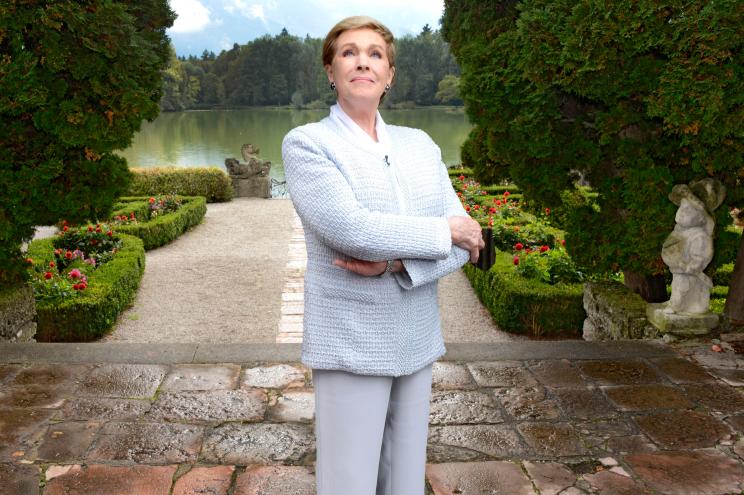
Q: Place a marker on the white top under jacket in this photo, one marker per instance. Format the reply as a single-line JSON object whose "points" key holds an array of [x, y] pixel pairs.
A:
{"points": [[342, 191]]}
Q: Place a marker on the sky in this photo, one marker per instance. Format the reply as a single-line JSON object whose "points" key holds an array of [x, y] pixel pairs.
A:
{"points": [[217, 24]]}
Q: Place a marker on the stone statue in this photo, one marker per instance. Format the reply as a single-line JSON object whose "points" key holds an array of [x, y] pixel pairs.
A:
{"points": [[687, 251], [250, 179]]}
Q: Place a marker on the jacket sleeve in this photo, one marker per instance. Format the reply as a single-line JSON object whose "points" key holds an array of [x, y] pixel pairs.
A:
{"points": [[419, 271], [327, 205]]}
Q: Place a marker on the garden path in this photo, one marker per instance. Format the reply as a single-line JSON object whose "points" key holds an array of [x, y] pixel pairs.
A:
{"points": [[225, 279]]}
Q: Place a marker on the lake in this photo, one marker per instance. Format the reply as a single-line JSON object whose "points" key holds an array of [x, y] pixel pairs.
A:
{"points": [[206, 138]]}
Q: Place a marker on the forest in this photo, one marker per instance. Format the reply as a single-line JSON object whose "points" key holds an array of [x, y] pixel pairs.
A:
{"points": [[286, 70]]}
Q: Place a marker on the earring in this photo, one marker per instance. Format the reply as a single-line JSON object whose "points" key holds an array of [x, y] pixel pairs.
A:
{"points": [[387, 88], [333, 86]]}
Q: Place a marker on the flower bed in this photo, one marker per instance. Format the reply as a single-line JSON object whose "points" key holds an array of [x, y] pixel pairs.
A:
{"points": [[158, 223], [78, 300], [528, 306]]}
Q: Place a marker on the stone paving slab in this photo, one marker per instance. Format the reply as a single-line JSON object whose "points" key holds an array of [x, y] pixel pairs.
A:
{"points": [[589, 420]]}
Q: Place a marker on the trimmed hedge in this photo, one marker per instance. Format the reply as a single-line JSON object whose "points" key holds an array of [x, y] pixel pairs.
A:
{"points": [[163, 228], [111, 288], [211, 182], [525, 306]]}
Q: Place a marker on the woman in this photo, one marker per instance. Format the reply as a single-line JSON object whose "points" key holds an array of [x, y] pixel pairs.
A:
{"points": [[382, 225]]}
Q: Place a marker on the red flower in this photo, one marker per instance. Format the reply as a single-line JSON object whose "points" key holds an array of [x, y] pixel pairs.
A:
{"points": [[30, 261], [93, 242], [58, 251], [547, 211], [527, 250], [516, 260], [98, 229], [152, 200], [68, 255], [467, 208], [109, 233], [507, 193], [492, 210], [498, 202], [477, 207], [544, 248], [83, 285], [462, 177], [132, 216], [75, 273], [64, 222], [459, 194], [90, 228], [76, 286], [519, 246], [51, 264], [65, 228], [563, 242], [48, 275]]}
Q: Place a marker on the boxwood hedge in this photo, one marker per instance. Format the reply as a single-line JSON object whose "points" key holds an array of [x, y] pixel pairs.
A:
{"points": [[211, 182], [93, 312], [164, 228], [526, 306]]}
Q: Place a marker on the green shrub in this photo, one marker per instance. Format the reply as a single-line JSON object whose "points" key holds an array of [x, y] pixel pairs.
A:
{"points": [[526, 306], [163, 229], [458, 171], [92, 312], [211, 182], [77, 80]]}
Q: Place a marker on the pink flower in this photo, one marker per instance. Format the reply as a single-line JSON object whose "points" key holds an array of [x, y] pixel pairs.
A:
{"points": [[75, 273]]}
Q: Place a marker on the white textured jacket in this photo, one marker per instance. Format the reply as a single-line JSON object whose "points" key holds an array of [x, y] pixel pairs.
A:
{"points": [[344, 196]]}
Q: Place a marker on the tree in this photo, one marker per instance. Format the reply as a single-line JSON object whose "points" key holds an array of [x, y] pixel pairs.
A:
{"points": [[634, 96], [77, 80], [448, 91]]}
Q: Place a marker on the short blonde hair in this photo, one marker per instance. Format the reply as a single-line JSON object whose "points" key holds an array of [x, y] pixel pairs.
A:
{"points": [[357, 22]]}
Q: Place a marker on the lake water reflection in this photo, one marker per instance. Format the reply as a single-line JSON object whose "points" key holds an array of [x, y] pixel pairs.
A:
{"points": [[206, 138]]}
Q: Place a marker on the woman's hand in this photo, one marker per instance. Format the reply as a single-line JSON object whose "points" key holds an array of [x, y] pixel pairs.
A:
{"points": [[468, 234], [362, 267], [368, 268]]}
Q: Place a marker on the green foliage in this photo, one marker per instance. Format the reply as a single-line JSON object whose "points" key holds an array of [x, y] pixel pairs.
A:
{"points": [[527, 306], [111, 288], [287, 70], [77, 79], [552, 266], [161, 229], [448, 90], [211, 182], [627, 97]]}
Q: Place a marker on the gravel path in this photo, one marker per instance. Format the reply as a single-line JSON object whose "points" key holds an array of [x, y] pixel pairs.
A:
{"points": [[220, 282]]}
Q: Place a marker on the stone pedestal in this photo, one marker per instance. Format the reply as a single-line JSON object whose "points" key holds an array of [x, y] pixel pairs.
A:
{"points": [[614, 312], [250, 179], [17, 313], [681, 324]]}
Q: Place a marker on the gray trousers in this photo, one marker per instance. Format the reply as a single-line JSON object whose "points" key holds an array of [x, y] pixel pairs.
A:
{"points": [[371, 432]]}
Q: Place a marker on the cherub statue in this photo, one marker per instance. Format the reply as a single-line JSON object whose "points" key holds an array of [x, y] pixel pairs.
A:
{"points": [[689, 248]]}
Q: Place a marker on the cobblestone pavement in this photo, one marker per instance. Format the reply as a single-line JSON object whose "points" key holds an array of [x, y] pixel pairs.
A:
{"points": [[507, 418]]}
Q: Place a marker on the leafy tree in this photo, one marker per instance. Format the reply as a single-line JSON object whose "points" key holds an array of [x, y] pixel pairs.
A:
{"points": [[633, 96], [77, 79], [448, 91]]}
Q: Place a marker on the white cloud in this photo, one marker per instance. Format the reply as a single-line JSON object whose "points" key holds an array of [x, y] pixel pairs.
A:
{"points": [[251, 11], [193, 16]]}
